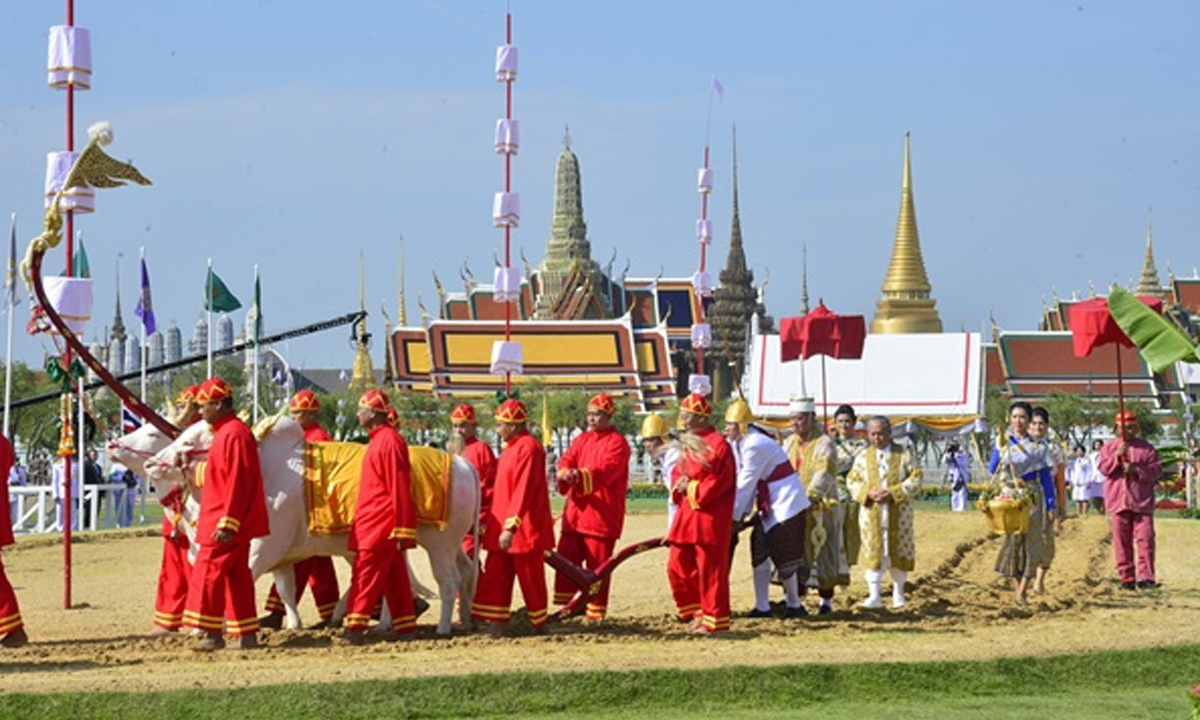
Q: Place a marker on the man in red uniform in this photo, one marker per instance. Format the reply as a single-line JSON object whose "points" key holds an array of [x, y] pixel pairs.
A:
{"points": [[385, 526], [12, 628], [705, 488], [316, 572], [1131, 469], [593, 474], [479, 454], [233, 511], [175, 569], [519, 529]]}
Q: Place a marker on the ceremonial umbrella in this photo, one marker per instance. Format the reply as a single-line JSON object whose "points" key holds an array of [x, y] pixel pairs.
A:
{"points": [[825, 333], [1093, 325]]}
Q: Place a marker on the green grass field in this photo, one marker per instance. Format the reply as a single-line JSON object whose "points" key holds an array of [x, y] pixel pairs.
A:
{"points": [[1137, 684]]}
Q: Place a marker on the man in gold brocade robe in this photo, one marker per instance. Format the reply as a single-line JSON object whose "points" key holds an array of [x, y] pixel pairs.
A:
{"points": [[884, 481]]}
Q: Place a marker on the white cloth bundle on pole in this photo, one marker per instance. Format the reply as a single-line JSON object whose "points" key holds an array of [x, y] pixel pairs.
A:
{"points": [[508, 136], [705, 181], [506, 210], [78, 199], [702, 335], [700, 384], [69, 61], [702, 283], [704, 231], [71, 298], [506, 63], [507, 285], [507, 357]]}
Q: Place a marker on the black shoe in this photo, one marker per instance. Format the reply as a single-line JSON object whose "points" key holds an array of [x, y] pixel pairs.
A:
{"points": [[272, 621], [824, 610], [1147, 585], [796, 612], [420, 605], [756, 613], [1128, 586]]}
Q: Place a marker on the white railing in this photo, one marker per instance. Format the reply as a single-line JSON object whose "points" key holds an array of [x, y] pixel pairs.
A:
{"points": [[33, 508]]}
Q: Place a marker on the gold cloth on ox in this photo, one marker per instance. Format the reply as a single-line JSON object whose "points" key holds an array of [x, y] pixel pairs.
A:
{"points": [[331, 476]]}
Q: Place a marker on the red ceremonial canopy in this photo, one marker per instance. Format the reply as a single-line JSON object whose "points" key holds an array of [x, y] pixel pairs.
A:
{"points": [[822, 332], [1092, 325]]}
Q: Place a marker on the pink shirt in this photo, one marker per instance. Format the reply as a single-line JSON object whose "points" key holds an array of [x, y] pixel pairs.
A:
{"points": [[1136, 492]]}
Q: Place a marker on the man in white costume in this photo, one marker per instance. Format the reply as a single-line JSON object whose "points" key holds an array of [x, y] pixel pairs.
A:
{"points": [[768, 488], [957, 476], [884, 481], [656, 439]]}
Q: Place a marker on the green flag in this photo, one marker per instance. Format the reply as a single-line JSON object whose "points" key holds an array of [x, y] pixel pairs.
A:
{"points": [[79, 262], [218, 298], [1160, 343]]}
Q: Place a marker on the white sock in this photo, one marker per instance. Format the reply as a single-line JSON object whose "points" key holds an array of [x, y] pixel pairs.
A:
{"points": [[791, 591], [762, 586]]}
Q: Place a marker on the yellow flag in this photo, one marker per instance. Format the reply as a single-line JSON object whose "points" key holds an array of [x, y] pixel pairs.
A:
{"points": [[547, 434]]}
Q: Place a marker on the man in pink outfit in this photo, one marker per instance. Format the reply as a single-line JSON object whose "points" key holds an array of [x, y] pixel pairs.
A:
{"points": [[1131, 467]]}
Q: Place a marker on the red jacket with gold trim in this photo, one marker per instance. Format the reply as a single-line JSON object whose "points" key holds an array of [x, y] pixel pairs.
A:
{"points": [[480, 454], [385, 511], [522, 499], [233, 497], [596, 503], [705, 515]]}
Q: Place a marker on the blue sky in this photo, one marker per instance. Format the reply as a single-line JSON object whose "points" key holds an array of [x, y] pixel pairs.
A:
{"points": [[295, 134]]}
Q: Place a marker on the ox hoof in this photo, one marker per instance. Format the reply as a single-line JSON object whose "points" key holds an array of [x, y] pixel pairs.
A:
{"points": [[209, 643], [14, 639], [271, 621], [245, 642], [354, 637]]}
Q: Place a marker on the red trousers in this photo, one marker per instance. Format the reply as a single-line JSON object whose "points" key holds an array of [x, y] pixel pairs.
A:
{"points": [[221, 588], [699, 577], [590, 553], [1130, 529], [493, 597], [317, 573], [172, 583], [10, 613], [380, 573]]}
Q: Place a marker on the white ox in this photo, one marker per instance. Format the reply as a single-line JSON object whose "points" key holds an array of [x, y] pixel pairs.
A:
{"points": [[281, 454]]}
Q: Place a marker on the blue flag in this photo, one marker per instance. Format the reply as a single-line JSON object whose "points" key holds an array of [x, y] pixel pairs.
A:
{"points": [[145, 307]]}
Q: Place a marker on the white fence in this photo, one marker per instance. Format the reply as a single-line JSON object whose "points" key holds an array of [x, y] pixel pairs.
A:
{"points": [[34, 509]]}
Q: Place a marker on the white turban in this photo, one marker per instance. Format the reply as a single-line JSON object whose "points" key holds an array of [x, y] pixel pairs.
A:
{"points": [[799, 405]]}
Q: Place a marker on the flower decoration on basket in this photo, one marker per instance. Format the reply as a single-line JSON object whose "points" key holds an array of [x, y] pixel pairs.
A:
{"points": [[1006, 508], [1195, 698]]}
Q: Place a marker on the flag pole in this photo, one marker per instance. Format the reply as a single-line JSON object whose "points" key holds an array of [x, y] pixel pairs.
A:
{"points": [[10, 300], [143, 350], [254, 332], [208, 302]]}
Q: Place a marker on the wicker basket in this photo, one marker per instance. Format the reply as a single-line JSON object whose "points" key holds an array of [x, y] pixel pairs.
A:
{"points": [[1007, 517]]}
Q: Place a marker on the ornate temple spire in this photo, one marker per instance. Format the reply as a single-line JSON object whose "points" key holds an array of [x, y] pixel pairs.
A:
{"points": [[804, 280], [568, 253], [906, 306], [735, 301], [1149, 284], [362, 376], [118, 324], [401, 304]]}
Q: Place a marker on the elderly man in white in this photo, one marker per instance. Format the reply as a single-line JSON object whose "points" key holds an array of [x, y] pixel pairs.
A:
{"points": [[767, 485], [884, 480]]}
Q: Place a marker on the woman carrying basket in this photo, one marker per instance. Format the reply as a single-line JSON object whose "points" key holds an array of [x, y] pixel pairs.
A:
{"points": [[1018, 459]]}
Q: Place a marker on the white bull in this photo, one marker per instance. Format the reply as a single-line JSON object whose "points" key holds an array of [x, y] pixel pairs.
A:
{"points": [[281, 456]]}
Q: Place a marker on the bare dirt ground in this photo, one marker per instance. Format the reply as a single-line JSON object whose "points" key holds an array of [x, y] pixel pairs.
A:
{"points": [[958, 609]]}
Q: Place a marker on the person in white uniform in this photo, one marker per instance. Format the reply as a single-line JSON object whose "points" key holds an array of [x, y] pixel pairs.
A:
{"points": [[957, 476], [771, 500]]}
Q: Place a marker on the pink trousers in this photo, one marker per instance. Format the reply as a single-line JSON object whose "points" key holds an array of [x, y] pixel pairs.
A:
{"points": [[1130, 529]]}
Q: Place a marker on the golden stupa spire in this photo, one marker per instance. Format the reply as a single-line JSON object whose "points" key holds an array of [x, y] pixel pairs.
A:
{"points": [[402, 306], [362, 376], [906, 306], [1149, 284]]}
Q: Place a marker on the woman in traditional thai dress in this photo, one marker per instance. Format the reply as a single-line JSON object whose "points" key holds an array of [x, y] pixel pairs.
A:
{"points": [[1018, 457], [1055, 492]]}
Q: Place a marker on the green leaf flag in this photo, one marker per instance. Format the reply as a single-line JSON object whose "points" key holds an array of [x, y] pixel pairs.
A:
{"points": [[1160, 343], [218, 298], [79, 262]]}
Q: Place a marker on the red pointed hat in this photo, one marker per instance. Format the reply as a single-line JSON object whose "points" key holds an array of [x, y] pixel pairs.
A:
{"points": [[375, 400], [188, 394], [305, 400], [212, 390], [1126, 417], [512, 411], [603, 403], [463, 414], [696, 404], [393, 418]]}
